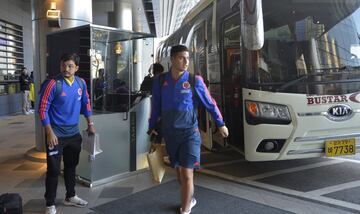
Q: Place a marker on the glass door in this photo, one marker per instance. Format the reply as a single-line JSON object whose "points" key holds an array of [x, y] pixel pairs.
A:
{"points": [[232, 79], [199, 50]]}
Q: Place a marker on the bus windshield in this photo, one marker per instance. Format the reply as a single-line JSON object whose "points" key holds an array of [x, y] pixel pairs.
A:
{"points": [[311, 47]]}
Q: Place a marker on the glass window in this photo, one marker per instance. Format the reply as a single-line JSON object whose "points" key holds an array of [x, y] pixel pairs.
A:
{"points": [[11, 57], [2, 89], [320, 54], [232, 49], [209, 34], [111, 71], [200, 52]]}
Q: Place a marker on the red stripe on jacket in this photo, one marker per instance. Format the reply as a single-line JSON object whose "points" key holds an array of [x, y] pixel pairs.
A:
{"points": [[45, 99]]}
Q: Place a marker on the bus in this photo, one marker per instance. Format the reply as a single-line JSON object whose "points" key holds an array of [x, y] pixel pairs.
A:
{"points": [[285, 74]]}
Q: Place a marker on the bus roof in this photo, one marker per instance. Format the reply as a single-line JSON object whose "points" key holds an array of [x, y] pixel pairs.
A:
{"points": [[196, 10]]}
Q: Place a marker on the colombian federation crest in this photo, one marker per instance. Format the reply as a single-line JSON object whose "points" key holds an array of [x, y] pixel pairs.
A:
{"points": [[186, 85]]}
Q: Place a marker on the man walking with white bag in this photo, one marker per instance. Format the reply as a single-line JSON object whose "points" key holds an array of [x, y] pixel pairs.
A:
{"points": [[175, 98]]}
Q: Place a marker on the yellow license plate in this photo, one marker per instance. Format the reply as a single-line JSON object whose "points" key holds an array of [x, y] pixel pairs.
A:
{"points": [[340, 147]]}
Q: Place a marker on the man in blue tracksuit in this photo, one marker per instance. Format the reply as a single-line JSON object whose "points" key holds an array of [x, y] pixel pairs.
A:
{"points": [[172, 99], [61, 102]]}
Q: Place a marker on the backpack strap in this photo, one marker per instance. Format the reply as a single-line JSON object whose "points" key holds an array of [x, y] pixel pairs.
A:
{"points": [[191, 80], [58, 80], [80, 82], [58, 85]]}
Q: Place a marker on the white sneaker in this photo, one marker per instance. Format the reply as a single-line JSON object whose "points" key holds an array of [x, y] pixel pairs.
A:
{"points": [[192, 204], [75, 201], [50, 210]]}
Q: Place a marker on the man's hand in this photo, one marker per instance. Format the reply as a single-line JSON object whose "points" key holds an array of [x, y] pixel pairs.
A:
{"points": [[52, 140], [91, 129], [152, 132], [223, 131]]}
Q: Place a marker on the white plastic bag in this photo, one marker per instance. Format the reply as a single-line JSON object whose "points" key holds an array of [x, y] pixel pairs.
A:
{"points": [[91, 143]]}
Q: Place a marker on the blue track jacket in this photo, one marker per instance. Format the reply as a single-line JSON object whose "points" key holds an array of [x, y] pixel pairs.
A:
{"points": [[62, 112], [175, 104]]}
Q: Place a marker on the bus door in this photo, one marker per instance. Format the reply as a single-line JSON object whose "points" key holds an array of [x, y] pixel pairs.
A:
{"points": [[199, 54], [231, 52]]}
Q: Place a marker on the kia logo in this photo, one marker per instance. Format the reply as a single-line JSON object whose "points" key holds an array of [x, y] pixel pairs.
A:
{"points": [[339, 112]]}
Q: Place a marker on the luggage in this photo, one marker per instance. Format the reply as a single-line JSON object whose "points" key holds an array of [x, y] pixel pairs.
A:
{"points": [[10, 203]]}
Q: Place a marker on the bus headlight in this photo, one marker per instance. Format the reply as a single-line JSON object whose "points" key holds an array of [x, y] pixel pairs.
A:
{"points": [[260, 112]]}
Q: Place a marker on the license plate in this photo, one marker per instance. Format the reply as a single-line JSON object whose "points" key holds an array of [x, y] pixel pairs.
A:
{"points": [[340, 147]]}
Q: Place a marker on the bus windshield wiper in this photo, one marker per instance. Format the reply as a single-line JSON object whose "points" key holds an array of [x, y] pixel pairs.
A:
{"points": [[340, 71], [291, 83]]}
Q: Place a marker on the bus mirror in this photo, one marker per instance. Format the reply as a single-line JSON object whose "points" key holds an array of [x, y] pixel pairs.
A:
{"points": [[252, 24]]}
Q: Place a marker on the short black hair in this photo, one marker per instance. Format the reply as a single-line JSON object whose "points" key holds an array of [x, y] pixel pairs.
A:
{"points": [[74, 57], [157, 68], [177, 48]]}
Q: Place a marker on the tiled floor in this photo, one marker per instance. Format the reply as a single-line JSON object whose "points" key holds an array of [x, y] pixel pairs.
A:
{"points": [[17, 174]]}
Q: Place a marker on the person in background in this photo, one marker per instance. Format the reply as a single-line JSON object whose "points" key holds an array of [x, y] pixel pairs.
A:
{"points": [[176, 101], [99, 86], [146, 85], [59, 113], [32, 91], [157, 69], [25, 90], [120, 87]]}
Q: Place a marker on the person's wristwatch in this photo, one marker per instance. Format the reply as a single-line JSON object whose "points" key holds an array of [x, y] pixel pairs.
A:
{"points": [[91, 124]]}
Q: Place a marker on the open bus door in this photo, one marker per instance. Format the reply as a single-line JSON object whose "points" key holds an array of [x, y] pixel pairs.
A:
{"points": [[232, 82], [199, 50]]}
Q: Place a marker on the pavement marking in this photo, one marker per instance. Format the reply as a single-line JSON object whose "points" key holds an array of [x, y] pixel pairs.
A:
{"points": [[252, 183], [308, 195], [294, 169], [269, 198], [222, 163], [335, 188], [348, 160]]}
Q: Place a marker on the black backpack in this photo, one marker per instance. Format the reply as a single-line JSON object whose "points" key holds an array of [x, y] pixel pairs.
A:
{"points": [[58, 89], [10, 203], [146, 85]]}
